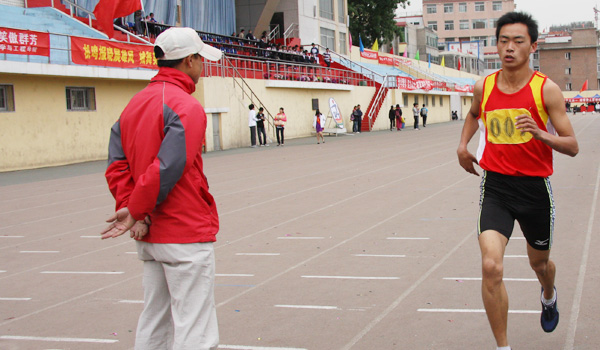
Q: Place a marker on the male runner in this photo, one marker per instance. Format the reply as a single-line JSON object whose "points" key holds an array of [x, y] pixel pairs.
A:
{"points": [[521, 117]]}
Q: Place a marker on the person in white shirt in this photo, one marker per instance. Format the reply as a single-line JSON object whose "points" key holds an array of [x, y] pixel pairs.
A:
{"points": [[252, 124]]}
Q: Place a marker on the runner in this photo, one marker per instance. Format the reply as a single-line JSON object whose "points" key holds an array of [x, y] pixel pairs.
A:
{"points": [[522, 118]]}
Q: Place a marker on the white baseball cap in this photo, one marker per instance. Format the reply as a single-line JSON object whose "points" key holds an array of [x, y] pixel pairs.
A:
{"points": [[179, 42]]}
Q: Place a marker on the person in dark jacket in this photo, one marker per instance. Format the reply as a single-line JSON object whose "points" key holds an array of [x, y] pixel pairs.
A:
{"points": [[156, 176], [392, 116]]}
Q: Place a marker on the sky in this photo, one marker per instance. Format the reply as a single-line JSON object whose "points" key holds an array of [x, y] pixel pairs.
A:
{"points": [[545, 13]]}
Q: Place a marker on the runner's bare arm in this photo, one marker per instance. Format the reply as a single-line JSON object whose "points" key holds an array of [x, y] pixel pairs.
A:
{"points": [[565, 141], [465, 158]]}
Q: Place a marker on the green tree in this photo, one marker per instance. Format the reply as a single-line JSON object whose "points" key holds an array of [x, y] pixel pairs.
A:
{"points": [[374, 19]]}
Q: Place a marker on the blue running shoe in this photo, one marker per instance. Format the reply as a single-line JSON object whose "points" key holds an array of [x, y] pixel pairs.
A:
{"points": [[549, 319]]}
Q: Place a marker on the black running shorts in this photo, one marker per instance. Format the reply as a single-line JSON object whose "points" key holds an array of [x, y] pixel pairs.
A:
{"points": [[528, 200]]}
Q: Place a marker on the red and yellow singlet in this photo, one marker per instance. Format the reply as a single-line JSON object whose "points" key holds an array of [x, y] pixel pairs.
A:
{"points": [[502, 147]]}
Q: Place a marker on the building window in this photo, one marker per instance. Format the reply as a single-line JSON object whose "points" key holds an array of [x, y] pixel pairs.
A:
{"points": [[493, 22], [427, 100], [341, 12], [405, 100], [567, 55], [479, 7], [327, 38], [441, 101], [449, 25], [7, 98], [342, 48], [81, 99], [462, 7], [448, 8], [493, 63], [432, 101], [567, 71], [479, 23], [568, 87], [432, 8], [326, 9], [416, 99], [493, 41], [481, 39], [536, 68], [497, 5], [432, 25], [464, 24], [536, 55]]}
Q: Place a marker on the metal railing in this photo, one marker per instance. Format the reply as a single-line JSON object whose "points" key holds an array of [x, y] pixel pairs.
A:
{"points": [[292, 30]]}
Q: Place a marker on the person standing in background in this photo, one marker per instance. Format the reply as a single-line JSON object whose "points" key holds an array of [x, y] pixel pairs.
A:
{"points": [[252, 124], [279, 121]]}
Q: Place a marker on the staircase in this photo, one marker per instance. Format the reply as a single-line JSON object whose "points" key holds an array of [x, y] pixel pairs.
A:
{"points": [[374, 107]]}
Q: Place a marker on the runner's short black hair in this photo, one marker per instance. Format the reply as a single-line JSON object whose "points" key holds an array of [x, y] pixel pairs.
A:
{"points": [[518, 17]]}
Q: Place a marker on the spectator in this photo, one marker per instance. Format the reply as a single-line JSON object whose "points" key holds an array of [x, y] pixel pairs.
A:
{"points": [[260, 127], [423, 112], [314, 50], [399, 119], [242, 34], [158, 177], [416, 115], [250, 36], [319, 124], [252, 124], [327, 57], [358, 119], [279, 121], [392, 116]]}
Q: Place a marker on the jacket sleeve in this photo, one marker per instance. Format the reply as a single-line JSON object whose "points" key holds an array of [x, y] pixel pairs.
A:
{"points": [[118, 173], [183, 137]]}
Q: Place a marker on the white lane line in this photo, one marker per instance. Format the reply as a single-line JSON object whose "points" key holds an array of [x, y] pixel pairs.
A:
{"points": [[478, 311], [2, 271], [60, 339], [382, 255], [131, 301], [53, 203], [39, 251], [72, 213], [515, 256], [517, 237], [130, 252], [479, 279], [353, 277], [84, 272], [258, 254], [7, 236], [409, 238], [95, 236], [291, 237], [247, 347], [233, 275], [570, 341], [314, 307], [15, 299]]}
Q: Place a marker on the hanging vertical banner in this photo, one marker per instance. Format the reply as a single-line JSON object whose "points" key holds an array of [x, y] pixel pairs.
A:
{"points": [[24, 42], [95, 52], [335, 112]]}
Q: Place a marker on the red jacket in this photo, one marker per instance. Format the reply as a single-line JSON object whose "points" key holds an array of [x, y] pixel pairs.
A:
{"points": [[155, 161]]}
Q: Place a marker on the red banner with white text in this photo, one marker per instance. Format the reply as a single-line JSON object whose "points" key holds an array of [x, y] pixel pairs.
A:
{"points": [[406, 83], [371, 55], [24, 42], [95, 52]]}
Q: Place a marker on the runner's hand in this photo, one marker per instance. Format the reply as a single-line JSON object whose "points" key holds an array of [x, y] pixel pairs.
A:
{"points": [[467, 161]]}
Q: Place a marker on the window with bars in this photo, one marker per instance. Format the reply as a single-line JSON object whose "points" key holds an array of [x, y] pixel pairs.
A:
{"points": [[432, 8], [81, 99], [464, 24], [462, 7], [7, 98], [432, 25], [479, 6], [497, 5], [448, 8], [479, 23], [448, 25]]}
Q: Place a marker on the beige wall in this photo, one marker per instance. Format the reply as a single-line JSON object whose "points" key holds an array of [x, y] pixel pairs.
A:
{"points": [[41, 132]]}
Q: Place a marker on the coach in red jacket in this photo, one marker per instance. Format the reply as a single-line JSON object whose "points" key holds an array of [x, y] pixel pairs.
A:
{"points": [[155, 174]]}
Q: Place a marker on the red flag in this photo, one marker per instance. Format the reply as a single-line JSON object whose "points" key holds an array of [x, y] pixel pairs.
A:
{"points": [[459, 64], [584, 87], [392, 50], [107, 10]]}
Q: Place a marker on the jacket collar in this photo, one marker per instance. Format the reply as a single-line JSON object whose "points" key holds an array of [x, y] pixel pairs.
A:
{"points": [[175, 76]]}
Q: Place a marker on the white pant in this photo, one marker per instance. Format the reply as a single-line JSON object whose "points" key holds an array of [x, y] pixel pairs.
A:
{"points": [[179, 304]]}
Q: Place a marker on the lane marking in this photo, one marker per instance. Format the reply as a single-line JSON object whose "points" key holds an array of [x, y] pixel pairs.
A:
{"points": [[130, 252], [353, 277], [246, 347], [570, 340], [39, 251], [258, 254], [291, 237], [96, 236], [233, 275], [58, 216], [409, 238], [131, 301], [479, 311], [12, 236], [315, 307], [479, 279], [15, 299], [382, 255], [84, 272], [59, 339]]}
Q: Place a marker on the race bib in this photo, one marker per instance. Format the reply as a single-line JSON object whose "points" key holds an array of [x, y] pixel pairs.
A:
{"points": [[500, 125]]}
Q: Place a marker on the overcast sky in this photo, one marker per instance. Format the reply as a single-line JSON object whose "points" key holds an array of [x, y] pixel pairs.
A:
{"points": [[546, 12]]}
